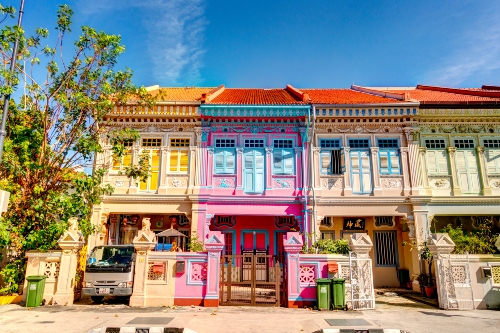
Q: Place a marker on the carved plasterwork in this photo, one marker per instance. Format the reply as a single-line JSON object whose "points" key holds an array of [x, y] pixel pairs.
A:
{"points": [[440, 183], [155, 127], [391, 183], [459, 112], [495, 183], [283, 183], [460, 128], [329, 183], [350, 128], [177, 181], [226, 182], [261, 111]]}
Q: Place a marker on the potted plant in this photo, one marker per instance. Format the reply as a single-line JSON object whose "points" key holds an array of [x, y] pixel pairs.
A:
{"points": [[426, 255]]}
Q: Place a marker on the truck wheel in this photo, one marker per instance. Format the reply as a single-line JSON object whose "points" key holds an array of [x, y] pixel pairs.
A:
{"points": [[97, 299]]}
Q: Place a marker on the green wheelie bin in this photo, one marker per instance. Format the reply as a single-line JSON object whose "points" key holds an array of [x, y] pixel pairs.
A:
{"points": [[323, 294], [338, 293], [36, 286]]}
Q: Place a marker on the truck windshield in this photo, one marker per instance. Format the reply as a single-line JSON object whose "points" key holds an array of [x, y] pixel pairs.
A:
{"points": [[110, 258]]}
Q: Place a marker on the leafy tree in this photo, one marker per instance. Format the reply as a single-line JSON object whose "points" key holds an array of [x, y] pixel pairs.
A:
{"points": [[53, 132]]}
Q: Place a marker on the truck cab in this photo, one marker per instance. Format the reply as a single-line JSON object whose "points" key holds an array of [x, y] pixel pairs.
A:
{"points": [[109, 272]]}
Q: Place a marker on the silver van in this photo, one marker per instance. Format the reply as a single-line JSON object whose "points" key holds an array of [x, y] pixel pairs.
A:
{"points": [[109, 272]]}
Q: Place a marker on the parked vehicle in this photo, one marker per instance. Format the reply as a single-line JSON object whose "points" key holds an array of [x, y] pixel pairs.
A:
{"points": [[109, 272]]}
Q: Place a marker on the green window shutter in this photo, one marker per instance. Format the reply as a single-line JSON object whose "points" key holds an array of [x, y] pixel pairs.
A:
{"points": [[442, 159], [493, 161], [437, 162], [467, 171], [432, 165]]}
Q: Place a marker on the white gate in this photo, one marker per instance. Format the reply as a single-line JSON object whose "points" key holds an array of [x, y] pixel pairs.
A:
{"points": [[455, 287], [361, 278]]}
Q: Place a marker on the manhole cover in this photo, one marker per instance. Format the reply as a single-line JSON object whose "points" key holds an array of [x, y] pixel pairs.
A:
{"points": [[150, 321], [348, 322]]}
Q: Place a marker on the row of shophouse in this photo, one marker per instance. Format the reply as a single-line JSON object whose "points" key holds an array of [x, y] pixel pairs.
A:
{"points": [[254, 164]]}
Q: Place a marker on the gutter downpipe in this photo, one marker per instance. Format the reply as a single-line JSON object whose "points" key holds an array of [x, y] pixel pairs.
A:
{"points": [[304, 182], [310, 169]]}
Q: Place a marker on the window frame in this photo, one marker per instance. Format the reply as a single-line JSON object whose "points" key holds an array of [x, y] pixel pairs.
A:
{"points": [[496, 162], [288, 151], [389, 152], [179, 151], [445, 150], [225, 151], [155, 148], [395, 249], [327, 152]]}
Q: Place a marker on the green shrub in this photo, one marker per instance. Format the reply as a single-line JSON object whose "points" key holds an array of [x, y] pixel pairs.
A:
{"points": [[479, 242]]}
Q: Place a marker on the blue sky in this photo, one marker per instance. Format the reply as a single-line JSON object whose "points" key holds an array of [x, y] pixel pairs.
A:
{"points": [[312, 43]]}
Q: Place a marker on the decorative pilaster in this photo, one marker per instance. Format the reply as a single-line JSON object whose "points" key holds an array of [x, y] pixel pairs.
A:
{"points": [[162, 188], [292, 245], [424, 180], [144, 242], [70, 242], [456, 190], [377, 190], [239, 165], [210, 166], [208, 221], [199, 156], [404, 168], [485, 185], [347, 173], [192, 166], [316, 167], [214, 246], [269, 167], [299, 171]]}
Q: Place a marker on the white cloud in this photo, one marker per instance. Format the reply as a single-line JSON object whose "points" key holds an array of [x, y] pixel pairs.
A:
{"points": [[175, 30], [475, 54]]}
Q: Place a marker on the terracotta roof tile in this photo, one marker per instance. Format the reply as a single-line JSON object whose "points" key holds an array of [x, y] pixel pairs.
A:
{"points": [[430, 96], [255, 96], [345, 96], [186, 94]]}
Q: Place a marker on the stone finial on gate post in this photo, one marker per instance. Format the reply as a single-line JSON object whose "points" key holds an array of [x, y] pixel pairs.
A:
{"points": [[70, 242], [361, 244], [214, 245], [144, 242], [292, 245]]}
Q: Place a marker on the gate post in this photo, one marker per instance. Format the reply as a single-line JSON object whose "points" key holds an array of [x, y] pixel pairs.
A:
{"points": [[214, 245], [440, 244], [293, 245], [143, 243], [70, 242], [362, 290]]}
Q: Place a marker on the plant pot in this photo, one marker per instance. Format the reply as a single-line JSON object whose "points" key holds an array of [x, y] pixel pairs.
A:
{"points": [[10, 299], [409, 285], [430, 292]]}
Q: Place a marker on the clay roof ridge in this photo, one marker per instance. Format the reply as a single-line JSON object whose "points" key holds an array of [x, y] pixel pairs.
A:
{"points": [[302, 96], [207, 97], [401, 97], [462, 91]]}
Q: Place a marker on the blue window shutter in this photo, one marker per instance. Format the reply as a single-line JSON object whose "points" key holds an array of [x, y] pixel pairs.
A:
{"points": [[394, 160], [259, 172], [278, 161], [288, 162], [230, 161], [383, 162], [219, 162], [249, 172], [342, 160]]}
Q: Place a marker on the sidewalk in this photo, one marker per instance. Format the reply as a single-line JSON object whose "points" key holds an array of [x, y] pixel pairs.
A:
{"points": [[390, 313]]}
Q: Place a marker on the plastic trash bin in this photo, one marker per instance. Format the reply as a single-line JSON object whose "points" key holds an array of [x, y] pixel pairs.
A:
{"points": [[36, 286], [403, 277], [338, 291], [323, 294]]}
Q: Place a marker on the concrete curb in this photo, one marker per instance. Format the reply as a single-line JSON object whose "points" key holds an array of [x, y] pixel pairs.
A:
{"points": [[360, 330], [142, 329]]}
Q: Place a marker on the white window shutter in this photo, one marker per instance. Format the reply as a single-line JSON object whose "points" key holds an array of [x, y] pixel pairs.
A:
{"points": [[259, 172], [326, 160], [278, 161], [230, 161], [288, 162], [493, 161]]}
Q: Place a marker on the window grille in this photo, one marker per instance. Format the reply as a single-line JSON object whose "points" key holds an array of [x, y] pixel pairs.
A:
{"points": [[283, 143], [151, 142], [228, 246], [386, 249], [225, 143], [254, 143], [359, 143], [464, 143], [435, 143], [329, 143], [179, 142], [388, 143], [491, 143], [128, 143], [327, 221], [328, 235], [384, 221]]}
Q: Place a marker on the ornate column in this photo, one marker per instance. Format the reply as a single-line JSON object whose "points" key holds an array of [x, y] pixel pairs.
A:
{"points": [[440, 245], [485, 185], [192, 166], [361, 269], [70, 243], [214, 245], [198, 162], [133, 186], [292, 245], [456, 190], [144, 242], [210, 166], [415, 160], [239, 171], [377, 190], [269, 168], [316, 167], [347, 173], [318, 224], [162, 188], [404, 166], [300, 168]]}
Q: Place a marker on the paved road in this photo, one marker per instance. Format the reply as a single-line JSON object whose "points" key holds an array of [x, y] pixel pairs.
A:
{"points": [[391, 312]]}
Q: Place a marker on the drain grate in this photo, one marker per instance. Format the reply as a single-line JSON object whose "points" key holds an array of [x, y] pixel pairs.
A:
{"points": [[112, 330], [142, 330], [150, 321], [348, 322]]}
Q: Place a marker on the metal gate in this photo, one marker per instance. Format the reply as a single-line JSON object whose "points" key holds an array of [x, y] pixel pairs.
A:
{"points": [[361, 278], [455, 285], [252, 279]]}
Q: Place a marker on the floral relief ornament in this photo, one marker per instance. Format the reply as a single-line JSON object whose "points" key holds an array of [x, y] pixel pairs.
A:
{"points": [[332, 182], [392, 183], [495, 183]]}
